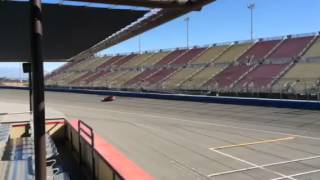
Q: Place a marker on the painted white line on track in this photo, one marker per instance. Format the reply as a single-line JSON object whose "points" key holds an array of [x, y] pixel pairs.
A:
{"points": [[197, 122], [264, 165], [254, 165], [298, 174]]}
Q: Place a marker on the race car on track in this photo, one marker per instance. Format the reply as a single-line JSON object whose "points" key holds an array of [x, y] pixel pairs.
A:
{"points": [[108, 99]]}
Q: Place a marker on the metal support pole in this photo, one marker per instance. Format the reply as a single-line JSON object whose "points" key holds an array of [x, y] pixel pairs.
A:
{"points": [[139, 43], [251, 24], [251, 7], [30, 91], [187, 23], [38, 89]]}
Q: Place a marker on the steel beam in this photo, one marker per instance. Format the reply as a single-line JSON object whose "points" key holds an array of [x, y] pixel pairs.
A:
{"points": [[38, 89], [146, 3], [152, 21]]}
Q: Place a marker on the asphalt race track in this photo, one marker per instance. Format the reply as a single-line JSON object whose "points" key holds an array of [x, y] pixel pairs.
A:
{"points": [[175, 140]]}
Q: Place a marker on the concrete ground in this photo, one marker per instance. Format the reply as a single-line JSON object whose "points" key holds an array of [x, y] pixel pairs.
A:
{"points": [[175, 140]]}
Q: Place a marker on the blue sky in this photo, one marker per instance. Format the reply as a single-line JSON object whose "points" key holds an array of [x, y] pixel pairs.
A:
{"points": [[222, 21]]}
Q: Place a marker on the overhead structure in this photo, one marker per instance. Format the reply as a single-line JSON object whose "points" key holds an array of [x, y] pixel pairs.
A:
{"points": [[68, 30], [36, 33], [149, 3], [151, 20]]}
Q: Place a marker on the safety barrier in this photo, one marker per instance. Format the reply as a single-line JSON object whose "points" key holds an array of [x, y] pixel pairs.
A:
{"points": [[95, 153], [280, 103]]}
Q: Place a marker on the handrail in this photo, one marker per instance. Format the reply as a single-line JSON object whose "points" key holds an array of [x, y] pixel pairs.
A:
{"points": [[91, 137]]}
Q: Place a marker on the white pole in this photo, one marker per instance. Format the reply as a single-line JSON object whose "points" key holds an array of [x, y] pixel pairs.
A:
{"points": [[251, 7], [139, 43], [187, 25]]}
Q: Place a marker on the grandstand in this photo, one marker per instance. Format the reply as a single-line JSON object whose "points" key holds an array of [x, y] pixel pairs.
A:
{"points": [[233, 53], [302, 78], [264, 65], [313, 53]]}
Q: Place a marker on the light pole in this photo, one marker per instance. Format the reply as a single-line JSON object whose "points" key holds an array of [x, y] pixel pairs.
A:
{"points": [[139, 43], [251, 7], [187, 19]]}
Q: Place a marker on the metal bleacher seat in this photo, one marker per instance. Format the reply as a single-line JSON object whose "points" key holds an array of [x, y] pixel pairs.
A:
{"points": [[302, 76], [19, 160], [210, 55], [175, 80], [200, 78], [4, 136], [51, 157], [233, 53]]}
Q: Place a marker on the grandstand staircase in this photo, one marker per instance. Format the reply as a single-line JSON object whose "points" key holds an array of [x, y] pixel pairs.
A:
{"points": [[208, 65], [79, 79], [93, 77], [109, 62], [282, 73], [156, 68], [313, 40], [164, 78], [231, 64], [294, 61], [144, 59], [257, 65], [179, 69], [109, 81]]}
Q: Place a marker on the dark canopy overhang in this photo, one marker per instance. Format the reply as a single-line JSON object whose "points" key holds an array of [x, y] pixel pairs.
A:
{"points": [[73, 32], [68, 30]]}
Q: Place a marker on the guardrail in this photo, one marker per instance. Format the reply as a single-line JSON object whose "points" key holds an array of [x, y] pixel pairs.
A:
{"points": [[280, 103], [90, 135]]}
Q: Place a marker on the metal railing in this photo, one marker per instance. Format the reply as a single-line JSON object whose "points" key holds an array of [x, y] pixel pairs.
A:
{"points": [[90, 135]]}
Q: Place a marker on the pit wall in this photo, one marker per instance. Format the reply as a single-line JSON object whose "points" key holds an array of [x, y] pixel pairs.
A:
{"points": [[279, 103], [109, 163]]}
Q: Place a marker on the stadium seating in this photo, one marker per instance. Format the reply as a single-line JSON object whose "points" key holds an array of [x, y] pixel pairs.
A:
{"points": [[226, 78], [69, 65], [258, 52], [109, 62], [82, 64], [246, 66], [201, 77], [179, 77], [154, 59], [261, 78], [233, 53], [170, 57], [140, 77], [76, 81], [66, 78], [106, 79], [97, 62], [123, 60], [210, 54], [188, 57], [302, 77], [87, 81], [137, 60], [291, 48], [158, 76], [119, 81], [313, 53]]}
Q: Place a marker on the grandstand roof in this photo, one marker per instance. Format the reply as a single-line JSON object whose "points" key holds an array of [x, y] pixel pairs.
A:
{"points": [[68, 29], [82, 30]]}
